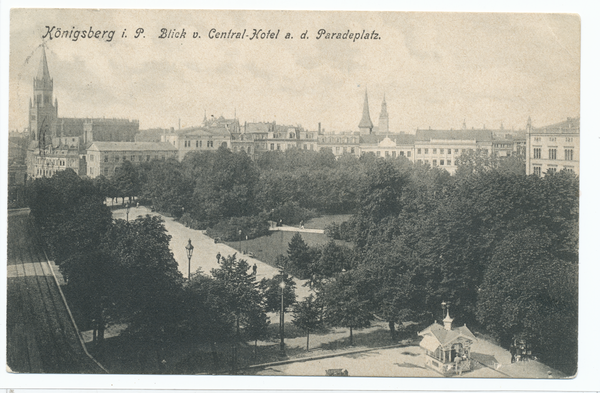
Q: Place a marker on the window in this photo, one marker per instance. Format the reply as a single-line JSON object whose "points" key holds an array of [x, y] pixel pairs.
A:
{"points": [[401, 154], [305, 146], [426, 151], [449, 151], [569, 169], [455, 151], [378, 154], [148, 158], [462, 150], [132, 158], [426, 161], [537, 170], [124, 158], [537, 139], [551, 170], [407, 154], [337, 150], [441, 162], [278, 146], [351, 150], [387, 153], [105, 158], [91, 157], [272, 146], [197, 144], [552, 139], [418, 151], [394, 154], [537, 152], [105, 171], [420, 161], [209, 144], [568, 139], [569, 154], [434, 162], [434, 151], [116, 158], [552, 154]]}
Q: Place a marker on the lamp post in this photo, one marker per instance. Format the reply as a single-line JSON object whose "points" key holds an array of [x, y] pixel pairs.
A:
{"points": [[189, 249], [282, 316], [127, 211]]}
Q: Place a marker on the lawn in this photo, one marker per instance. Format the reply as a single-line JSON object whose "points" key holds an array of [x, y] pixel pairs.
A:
{"points": [[267, 248], [323, 221]]}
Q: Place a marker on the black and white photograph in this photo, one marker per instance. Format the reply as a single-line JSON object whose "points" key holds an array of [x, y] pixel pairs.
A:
{"points": [[293, 193]]}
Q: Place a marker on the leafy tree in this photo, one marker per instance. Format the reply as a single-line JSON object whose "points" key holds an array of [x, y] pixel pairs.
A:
{"points": [[149, 285], [271, 292], [308, 316], [346, 303], [330, 260], [299, 255], [529, 292], [126, 180]]}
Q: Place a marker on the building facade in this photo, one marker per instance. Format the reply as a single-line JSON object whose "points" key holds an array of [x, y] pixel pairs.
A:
{"points": [[553, 148], [103, 158]]}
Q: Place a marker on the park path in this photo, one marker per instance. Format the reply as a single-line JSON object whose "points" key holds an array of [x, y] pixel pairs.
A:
{"points": [[41, 336], [286, 228], [205, 249]]}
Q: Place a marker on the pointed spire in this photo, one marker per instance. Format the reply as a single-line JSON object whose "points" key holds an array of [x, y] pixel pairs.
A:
{"points": [[384, 107], [43, 72], [365, 122]]}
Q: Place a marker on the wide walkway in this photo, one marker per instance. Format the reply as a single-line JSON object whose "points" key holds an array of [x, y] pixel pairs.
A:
{"points": [[205, 252], [41, 337]]}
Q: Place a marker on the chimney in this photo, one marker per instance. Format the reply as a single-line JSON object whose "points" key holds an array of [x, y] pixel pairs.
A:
{"points": [[319, 127], [447, 321]]}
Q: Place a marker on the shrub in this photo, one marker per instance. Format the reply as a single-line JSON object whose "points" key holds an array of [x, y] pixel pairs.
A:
{"points": [[250, 226], [343, 231], [187, 220], [291, 213]]}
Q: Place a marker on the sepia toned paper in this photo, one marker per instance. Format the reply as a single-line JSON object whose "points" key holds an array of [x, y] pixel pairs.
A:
{"points": [[318, 70]]}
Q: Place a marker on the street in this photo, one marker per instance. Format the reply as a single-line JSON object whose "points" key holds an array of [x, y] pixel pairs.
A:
{"points": [[205, 249], [41, 337]]}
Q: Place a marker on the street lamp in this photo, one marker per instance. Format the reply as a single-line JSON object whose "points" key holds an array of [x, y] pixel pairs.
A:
{"points": [[127, 211], [189, 249], [282, 314]]}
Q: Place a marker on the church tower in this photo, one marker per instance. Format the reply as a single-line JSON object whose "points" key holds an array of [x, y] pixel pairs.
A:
{"points": [[366, 125], [384, 120], [42, 112]]}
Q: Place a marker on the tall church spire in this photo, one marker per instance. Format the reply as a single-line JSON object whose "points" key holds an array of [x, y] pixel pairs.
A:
{"points": [[384, 121], [43, 73], [366, 125]]}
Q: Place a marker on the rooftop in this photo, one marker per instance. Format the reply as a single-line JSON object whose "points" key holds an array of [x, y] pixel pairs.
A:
{"points": [[131, 146]]}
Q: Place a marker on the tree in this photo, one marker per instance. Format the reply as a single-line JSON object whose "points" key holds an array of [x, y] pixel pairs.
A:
{"points": [[346, 303], [148, 287], [270, 289], [299, 255], [242, 297], [126, 180], [529, 292], [308, 316]]}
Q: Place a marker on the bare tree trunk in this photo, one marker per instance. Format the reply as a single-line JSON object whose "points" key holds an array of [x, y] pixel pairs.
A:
{"points": [[307, 336], [351, 339]]}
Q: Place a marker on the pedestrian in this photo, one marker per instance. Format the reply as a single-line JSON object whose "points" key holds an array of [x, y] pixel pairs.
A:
{"points": [[254, 269], [301, 224], [219, 258]]}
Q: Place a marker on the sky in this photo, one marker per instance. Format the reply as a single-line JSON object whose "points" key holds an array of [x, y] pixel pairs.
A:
{"points": [[435, 70]]}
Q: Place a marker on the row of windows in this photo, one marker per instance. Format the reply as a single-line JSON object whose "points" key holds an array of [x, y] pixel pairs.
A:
{"points": [[446, 151], [132, 158], [537, 154], [393, 154], [552, 139], [537, 170], [442, 162], [199, 144]]}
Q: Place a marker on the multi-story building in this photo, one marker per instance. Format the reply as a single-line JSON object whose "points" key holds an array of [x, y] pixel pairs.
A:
{"points": [[553, 148], [441, 148], [103, 158], [340, 143], [390, 145], [197, 139]]}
